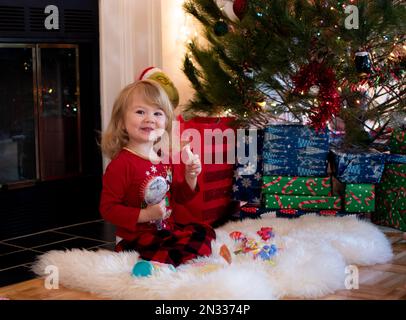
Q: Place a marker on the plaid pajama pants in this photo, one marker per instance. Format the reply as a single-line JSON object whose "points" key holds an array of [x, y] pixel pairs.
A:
{"points": [[176, 246]]}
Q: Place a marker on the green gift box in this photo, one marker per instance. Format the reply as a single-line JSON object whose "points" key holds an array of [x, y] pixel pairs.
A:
{"points": [[275, 201], [312, 186], [359, 197], [398, 142], [391, 198]]}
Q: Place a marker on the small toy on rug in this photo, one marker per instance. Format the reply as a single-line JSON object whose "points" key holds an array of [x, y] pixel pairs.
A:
{"points": [[225, 253], [144, 268], [266, 233], [262, 249]]}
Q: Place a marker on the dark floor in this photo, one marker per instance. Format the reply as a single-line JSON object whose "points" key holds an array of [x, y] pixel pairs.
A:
{"points": [[17, 254]]}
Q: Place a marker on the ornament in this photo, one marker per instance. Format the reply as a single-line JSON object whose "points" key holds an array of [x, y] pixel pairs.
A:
{"points": [[314, 90], [240, 8], [363, 62], [227, 7], [220, 28], [398, 60], [398, 53], [329, 101]]}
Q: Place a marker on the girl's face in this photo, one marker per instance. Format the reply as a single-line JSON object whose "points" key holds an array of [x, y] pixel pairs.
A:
{"points": [[144, 122]]}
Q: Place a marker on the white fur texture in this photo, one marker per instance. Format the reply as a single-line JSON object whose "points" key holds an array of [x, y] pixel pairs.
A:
{"points": [[311, 263]]}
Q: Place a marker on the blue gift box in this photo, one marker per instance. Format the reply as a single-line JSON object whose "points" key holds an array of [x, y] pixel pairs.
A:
{"points": [[295, 150], [396, 158], [358, 167], [247, 180]]}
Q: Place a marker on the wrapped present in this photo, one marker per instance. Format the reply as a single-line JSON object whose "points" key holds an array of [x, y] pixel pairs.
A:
{"points": [[243, 192], [247, 188], [247, 179], [398, 141], [212, 203], [358, 167], [275, 201], [359, 197], [313, 186], [391, 198], [295, 150], [396, 158]]}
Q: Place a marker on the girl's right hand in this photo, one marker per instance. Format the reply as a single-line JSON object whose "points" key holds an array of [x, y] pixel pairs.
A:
{"points": [[153, 212]]}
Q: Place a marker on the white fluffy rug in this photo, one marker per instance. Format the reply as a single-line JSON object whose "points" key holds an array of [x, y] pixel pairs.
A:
{"points": [[314, 252]]}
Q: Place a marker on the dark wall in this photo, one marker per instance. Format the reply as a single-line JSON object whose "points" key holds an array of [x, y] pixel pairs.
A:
{"points": [[56, 203]]}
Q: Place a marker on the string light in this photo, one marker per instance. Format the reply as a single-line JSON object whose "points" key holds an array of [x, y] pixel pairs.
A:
{"points": [[187, 32], [262, 104]]}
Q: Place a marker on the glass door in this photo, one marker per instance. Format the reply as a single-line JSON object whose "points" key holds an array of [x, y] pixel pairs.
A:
{"points": [[59, 115], [18, 158], [39, 113]]}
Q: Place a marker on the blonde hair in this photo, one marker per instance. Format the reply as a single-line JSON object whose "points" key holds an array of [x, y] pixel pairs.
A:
{"points": [[116, 137]]}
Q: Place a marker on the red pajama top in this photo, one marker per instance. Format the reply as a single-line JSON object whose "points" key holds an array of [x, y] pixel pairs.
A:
{"points": [[132, 182]]}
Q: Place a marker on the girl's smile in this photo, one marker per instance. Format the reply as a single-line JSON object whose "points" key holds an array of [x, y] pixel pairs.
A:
{"points": [[144, 122]]}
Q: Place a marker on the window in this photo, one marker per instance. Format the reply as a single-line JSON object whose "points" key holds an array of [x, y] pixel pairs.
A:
{"points": [[39, 112]]}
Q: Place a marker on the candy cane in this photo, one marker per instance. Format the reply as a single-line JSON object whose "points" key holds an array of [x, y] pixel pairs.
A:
{"points": [[279, 201], [400, 136], [372, 197], [355, 197], [301, 204], [287, 186], [400, 174], [324, 182], [337, 204], [271, 183], [396, 190], [308, 183], [347, 196]]}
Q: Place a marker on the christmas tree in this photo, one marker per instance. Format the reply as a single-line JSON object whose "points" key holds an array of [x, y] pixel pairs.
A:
{"points": [[324, 63]]}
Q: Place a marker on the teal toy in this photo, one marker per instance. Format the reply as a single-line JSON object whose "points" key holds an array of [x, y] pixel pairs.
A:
{"points": [[145, 268]]}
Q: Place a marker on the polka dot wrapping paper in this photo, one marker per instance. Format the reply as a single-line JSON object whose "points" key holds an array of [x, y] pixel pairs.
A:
{"points": [[391, 198], [312, 186], [398, 141], [360, 197], [275, 201]]}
